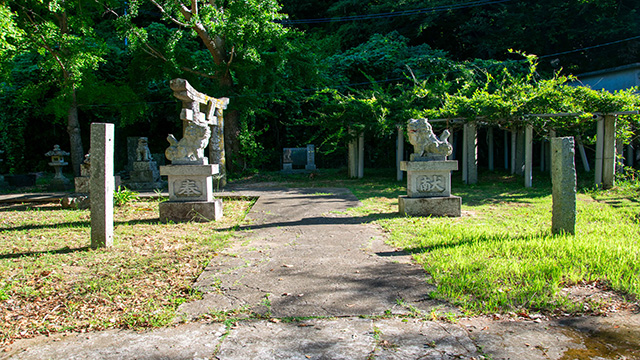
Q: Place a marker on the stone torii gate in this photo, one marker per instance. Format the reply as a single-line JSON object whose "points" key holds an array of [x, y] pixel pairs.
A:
{"points": [[204, 109]]}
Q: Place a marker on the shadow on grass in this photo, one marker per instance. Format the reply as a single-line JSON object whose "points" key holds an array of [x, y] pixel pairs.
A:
{"points": [[78, 224], [64, 250], [479, 239], [7, 207]]}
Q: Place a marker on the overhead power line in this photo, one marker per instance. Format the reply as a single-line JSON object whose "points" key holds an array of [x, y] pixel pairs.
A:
{"points": [[395, 13], [589, 47]]}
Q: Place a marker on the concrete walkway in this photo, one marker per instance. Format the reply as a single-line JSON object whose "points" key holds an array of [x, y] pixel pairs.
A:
{"points": [[328, 287]]}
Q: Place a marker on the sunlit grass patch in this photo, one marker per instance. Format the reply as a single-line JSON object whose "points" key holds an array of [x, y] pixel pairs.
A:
{"points": [[501, 256]]}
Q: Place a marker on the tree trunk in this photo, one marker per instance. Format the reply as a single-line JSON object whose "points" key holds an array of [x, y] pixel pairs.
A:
{"points": [[75, 138], [231, 126]]}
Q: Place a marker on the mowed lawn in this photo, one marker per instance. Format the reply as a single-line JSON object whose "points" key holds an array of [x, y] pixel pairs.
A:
{"points": [[499, 257]]}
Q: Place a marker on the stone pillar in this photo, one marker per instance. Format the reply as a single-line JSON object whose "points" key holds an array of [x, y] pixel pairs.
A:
{"points": [[528, 156], [216, 151], [563, 177], [609, 152], [311, 158], [583, 154], [102, 185], [543, 155], [520, 151], [465, 155], [491, 149], [506, 150], [470, 154], [514, 135], [599, 152], [361, 156], [619, 156], [353, 155], [399, 153], [552, 134]]}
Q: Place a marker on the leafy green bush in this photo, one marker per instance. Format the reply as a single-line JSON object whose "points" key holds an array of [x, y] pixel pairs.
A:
{"points": [[124, 196]]}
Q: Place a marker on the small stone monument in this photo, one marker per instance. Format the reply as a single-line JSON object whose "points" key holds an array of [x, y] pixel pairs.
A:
{"points": [[429, 174], [59, 181], [294, 159], [190, 174], [145, 174]]}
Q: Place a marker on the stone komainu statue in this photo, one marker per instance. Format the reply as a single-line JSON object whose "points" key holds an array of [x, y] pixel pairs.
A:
{"points": [[191, 146], [425, 143], [142, 151]]}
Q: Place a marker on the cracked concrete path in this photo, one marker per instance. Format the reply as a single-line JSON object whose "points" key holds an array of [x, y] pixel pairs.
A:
{"points": [[302, 256]]}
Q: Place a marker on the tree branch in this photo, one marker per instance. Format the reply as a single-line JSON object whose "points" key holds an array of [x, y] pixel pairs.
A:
{"points": [[174, 20], [156, 54], [55, 54]]}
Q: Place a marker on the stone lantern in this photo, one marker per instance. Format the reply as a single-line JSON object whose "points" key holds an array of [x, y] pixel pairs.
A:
{"points": [[59, 182]]}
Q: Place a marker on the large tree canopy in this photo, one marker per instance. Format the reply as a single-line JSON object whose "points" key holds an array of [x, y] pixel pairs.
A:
{"points": [[303, 77], [242, 46]]}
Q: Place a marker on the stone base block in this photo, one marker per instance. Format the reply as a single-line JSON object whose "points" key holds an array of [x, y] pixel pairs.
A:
{"points": [[59, 185], [434, 206], [199, 211], [145, 172]]}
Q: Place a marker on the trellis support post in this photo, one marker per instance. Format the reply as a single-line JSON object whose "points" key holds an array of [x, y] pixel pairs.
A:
{"points": [[528, 156]]}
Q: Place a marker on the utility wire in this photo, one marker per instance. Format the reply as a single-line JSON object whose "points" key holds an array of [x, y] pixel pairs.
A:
{"points": [[393, 14], [589, 47]]}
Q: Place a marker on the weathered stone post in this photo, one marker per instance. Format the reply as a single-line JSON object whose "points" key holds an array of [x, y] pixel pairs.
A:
{"points": [[102, 185], [563, 177], [491, 148], [609, 152], [514, 143], [353, 154], [470, 153], [361, 155], [528, 156], [399, 152]]}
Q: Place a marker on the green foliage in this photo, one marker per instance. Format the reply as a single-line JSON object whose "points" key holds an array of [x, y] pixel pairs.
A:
{"points": [[124, 196]]}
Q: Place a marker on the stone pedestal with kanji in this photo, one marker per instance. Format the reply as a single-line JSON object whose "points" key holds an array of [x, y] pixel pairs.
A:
{"points": [[190, 194], [429, 189]]}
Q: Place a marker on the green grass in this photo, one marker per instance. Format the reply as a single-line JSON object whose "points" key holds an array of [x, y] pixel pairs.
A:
{"points": [[501, 255], [50, 281]]}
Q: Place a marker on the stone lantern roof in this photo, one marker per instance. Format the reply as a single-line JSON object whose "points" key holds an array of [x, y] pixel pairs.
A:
{"points": [[57, 152]]}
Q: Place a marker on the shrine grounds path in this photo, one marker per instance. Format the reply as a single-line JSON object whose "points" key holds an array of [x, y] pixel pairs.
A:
{"points": [[309, 281]]}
